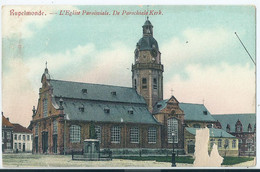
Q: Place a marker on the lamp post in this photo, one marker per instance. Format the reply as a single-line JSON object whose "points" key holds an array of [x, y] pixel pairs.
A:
{"points": [[173, 154]]}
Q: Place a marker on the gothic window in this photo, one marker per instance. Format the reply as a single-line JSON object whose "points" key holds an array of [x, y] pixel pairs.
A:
{"points": [[115, 134], [196, 125], [98, 132], [74, 133], [45, 107], [55, 127], [228, 128], [219, 143], [234, 143], [134, 135], [152, 136], [226, 144], [172, 128], [154, 83], [144, 83]]}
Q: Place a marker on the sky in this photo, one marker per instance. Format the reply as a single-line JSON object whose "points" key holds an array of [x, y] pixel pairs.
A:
{"points": [[204, 62]]}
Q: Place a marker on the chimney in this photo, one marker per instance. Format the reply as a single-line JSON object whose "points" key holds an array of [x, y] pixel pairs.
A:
{"points": [[7, 119]]}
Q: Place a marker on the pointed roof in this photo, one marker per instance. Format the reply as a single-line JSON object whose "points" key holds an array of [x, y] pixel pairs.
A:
{"points": [[159, 106], [96, 98], [231, 119], [213, 132], [196, 112], [46, 73], [6, 122], [20, 129]]}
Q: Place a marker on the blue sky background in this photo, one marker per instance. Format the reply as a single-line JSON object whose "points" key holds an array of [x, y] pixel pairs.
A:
{"points": [[212, 66]]}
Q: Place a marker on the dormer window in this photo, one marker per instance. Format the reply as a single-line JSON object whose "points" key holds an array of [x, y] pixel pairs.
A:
{"points": [[84, 91], [249, 128], [159, 105], [113, 93], [205, 112], [106, 110], [228, 128], [81, 108], [130, 111]]}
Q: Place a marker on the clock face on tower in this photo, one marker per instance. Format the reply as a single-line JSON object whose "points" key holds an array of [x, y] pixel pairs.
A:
{"points": [[153, 52]]}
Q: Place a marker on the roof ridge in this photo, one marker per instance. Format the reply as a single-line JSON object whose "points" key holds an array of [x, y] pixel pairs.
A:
{"points": [[90, 83], [234, 114], [192, 103]]}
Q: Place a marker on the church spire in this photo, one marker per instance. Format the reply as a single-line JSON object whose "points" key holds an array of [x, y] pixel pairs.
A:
{"points": [[147, 28]]}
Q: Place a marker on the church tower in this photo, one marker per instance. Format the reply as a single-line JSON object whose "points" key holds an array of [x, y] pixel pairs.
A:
{"points": [[147, 70]]}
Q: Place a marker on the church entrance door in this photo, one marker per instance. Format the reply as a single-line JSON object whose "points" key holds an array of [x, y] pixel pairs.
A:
{"points": [[54, 143], [36, 144], [44, 141], [191, 147]]}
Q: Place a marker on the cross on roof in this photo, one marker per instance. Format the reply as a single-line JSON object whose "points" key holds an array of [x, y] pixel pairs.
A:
{"points": [[46, 64], [172, 92]]}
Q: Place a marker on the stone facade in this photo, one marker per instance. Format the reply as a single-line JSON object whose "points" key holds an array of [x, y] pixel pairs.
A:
{"points": [[147, 72], [172, 110]]}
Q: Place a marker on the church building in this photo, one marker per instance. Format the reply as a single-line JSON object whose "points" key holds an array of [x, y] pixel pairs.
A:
{"points": [[126, 119]]}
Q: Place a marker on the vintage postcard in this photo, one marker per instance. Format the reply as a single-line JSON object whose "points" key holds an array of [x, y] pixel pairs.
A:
{"points": [[128, 86]]}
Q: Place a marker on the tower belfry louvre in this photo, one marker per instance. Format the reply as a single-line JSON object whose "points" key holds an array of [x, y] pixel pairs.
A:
{"points": [[147, 70]]}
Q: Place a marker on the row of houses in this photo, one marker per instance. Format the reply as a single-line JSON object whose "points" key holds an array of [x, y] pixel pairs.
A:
{"points": [[15, 138]]}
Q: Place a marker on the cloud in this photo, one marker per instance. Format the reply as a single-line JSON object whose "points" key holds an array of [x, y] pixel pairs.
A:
{"points": [[195, 44], [225, 88], [84, 63], [26, 26]]}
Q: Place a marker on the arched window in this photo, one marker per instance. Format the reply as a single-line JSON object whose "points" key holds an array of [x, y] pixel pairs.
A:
{"points": [[55, 127], [75, 133], [234, 143], [172, 128], [152, 135], [36, 129], [219, 143], [45, 107], [115, 134], [134, 135]]}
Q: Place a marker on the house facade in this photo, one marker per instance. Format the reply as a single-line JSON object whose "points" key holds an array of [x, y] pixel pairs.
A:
{"points": [[7, 133], [22, 139], [243, 127]]}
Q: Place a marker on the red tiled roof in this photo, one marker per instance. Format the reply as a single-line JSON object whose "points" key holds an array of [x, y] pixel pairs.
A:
{"points": [[5, 122], [20, 129]]}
